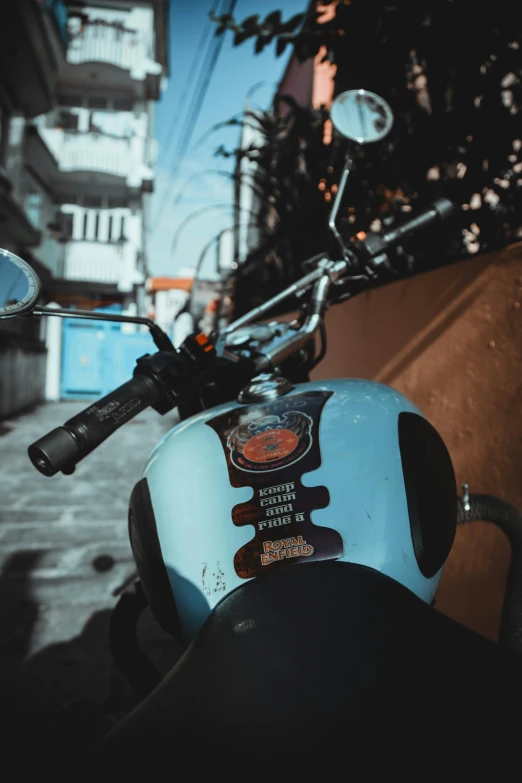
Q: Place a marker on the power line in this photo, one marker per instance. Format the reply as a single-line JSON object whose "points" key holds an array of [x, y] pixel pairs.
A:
{"points": [[203, 60], [192, 117], [197, 60]]}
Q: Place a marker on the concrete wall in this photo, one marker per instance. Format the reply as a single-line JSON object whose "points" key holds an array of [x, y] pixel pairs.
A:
{"points": [[451, 341], [22, 369]]}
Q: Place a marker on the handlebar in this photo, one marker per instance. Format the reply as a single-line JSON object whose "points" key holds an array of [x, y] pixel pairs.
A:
{"points": [[440, 210], [155, 382], [64, 446], [372, 251]]}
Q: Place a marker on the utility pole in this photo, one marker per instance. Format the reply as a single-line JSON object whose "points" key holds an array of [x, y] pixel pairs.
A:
{"points": [[237, 208]]}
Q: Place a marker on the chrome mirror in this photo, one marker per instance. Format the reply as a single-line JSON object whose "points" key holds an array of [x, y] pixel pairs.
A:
{"points": [[20, 289], [19, 286], [361, 116]]}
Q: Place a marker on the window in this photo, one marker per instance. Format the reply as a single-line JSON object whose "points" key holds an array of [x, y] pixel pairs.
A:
{"points": [[123, 104], [96, 225], [112, 123], [67, 224], [33, 208], [70, 100], [110, 229], [67, 120], [85, 225], [97, 103], [122, 228], [94, 202], [117, 201]]}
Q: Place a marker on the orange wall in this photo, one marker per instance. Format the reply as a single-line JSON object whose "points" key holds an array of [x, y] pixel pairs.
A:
{"points": [[451, 341]]}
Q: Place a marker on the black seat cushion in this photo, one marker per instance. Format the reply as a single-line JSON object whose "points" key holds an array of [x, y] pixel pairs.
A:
{"points": [[330, 655]]}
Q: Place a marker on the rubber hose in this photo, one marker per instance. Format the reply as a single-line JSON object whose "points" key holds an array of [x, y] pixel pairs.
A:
{"points": [[487, 508]]}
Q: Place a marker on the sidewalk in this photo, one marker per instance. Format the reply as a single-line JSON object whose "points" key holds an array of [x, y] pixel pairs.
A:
{"points": [[63, 550]]}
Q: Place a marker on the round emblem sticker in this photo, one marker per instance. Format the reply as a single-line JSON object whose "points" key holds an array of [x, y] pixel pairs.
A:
{"points": [[270, 445], [271, 442]]}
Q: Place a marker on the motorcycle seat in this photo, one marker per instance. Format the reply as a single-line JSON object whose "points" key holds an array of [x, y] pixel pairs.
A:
{"points": [[332, 655]]}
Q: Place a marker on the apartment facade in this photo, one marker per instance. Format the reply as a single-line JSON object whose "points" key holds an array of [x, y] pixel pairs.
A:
{"points": [[78, 85], [33, 45], [100, 138]]}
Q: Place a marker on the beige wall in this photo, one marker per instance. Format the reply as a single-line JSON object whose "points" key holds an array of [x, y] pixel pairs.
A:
{"points": [[451, 340]]}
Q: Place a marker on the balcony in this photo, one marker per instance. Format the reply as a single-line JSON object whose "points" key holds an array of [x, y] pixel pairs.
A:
{"points": [[97, 158], [120, 58], [98, 262], [102, 262]]}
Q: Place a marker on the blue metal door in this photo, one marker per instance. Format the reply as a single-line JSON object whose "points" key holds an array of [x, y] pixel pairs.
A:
{"points": [[97, 357]]}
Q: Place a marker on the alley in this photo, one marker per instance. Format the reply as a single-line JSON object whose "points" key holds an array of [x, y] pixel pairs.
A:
{"points": [[64, 549]]}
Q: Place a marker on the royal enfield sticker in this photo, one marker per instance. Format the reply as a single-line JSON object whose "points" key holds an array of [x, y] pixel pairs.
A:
{"points": [[271, 442], [269, 447], [284, 549]]}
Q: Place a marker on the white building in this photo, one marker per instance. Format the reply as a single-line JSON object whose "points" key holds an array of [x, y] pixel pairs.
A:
{"points": [[101, 148]]}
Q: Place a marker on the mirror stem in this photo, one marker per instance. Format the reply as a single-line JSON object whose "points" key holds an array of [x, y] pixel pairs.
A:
{"points": [[337, 204], [161, 340]]}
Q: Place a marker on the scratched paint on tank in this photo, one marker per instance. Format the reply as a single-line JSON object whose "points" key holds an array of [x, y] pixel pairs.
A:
{"points": [[360, 466]]}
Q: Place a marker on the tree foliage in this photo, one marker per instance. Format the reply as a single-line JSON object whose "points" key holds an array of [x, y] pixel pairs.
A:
{"points": [[293, 180], [452, 73]]}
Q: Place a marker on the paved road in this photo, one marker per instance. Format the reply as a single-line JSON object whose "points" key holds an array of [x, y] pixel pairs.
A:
{"points": [[55, 662]]}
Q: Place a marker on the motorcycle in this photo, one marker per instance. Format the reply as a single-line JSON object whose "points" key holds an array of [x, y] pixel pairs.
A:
{"points": [[267, 470]]}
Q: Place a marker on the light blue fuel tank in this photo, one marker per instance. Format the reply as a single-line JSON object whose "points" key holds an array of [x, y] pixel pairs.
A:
{"points": [[330, 470]]}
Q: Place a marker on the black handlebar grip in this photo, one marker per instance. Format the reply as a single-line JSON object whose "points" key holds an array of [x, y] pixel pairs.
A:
{"points": [[440, 210], [64, 446]]}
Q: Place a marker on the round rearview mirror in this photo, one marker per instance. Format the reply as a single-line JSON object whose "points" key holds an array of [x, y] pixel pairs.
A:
{"points": [[361, 116], [19, 286]]}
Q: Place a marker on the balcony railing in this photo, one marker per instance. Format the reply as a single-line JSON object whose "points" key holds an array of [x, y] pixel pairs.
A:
{"points": [[98, 152], [95, 152], [103, 262], [98, 41], [97, 262]]}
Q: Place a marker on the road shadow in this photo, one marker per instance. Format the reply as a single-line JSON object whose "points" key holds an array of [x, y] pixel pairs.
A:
{"points": [[18, 616], [62, 699]]}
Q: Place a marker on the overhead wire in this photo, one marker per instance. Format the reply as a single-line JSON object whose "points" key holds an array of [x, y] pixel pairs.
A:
{"points": [[206, 73], [198, 60]]}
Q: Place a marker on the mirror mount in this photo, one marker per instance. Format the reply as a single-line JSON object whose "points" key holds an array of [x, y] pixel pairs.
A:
{"points": [[20, 290], [362, 117], [337, 203], [161, 340]]}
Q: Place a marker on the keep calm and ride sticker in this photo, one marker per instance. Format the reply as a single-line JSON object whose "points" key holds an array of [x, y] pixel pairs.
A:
{"points": [[269, 447]]}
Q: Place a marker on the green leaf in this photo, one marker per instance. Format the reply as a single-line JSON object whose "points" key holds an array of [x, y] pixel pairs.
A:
{"points": [[241, 36], [260, 44], [281, 45], [273, 19], [250, 23], [291, 24], [222, 151], [223, 23]]}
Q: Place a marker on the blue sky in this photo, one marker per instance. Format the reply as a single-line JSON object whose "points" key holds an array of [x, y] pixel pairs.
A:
{"points": [[237, 71]]}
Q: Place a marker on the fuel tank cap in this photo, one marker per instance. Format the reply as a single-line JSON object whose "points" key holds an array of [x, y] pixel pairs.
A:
{"points": [[266, 386]]}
